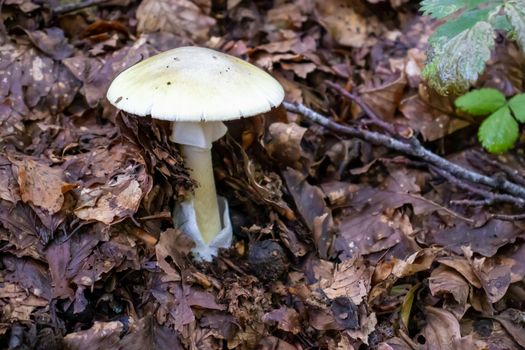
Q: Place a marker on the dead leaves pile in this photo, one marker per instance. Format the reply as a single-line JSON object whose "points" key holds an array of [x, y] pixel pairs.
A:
{"points": [[89, 257]]}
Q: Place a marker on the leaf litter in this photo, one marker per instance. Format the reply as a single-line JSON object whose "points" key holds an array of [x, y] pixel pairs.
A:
{"points": [[374, 254]]}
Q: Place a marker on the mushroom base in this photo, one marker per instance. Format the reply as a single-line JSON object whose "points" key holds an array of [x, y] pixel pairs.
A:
{"points": [[186, 220]]}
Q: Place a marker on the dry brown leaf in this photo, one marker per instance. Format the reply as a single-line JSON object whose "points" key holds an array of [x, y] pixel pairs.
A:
{"points": [[21, 303], [345, 25], [441, 331], [42, 185], [445, 280], [368, 324], [110, 203], [463, 266], [273, 343], [384, 100], [286, 318], [494, 275], [180, 17], [286, 16], [285, 143], [173, 246], [8, 185], [102, 335], [514, 323], [431, 122], [419, 261], [312, 207], [351, 279]]}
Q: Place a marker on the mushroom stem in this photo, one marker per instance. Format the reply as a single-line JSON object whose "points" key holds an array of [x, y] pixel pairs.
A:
{"points": [[198, 160]]}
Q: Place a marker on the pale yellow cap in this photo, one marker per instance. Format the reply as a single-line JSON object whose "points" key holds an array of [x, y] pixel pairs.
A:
{"points": [[195, 84]]}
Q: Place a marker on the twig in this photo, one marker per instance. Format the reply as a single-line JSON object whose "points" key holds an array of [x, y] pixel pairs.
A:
{"points": [[375, 118], [513, 174], [488, 197], [66, 8], [413, 148], [508, 217]]}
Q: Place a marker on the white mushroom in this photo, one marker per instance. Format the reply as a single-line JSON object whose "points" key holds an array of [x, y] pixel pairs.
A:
{"points": [[197, 89]]}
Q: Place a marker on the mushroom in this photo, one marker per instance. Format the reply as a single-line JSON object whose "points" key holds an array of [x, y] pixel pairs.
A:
{"points": [[197, 88]]}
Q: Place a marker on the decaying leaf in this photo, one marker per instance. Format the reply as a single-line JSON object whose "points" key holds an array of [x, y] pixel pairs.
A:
{"points": [[41, 184], [102, 335], [345, 25], [446, 280], [287, 319], [180, 17], [351, 279]]}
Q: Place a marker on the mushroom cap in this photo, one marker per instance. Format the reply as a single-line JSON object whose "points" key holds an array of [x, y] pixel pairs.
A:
{"points": [[195, 84]]}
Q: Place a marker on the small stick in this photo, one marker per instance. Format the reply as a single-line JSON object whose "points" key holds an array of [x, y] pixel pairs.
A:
{"points": [[489, 197], [375, 118], [507, 217], [413, 148]]}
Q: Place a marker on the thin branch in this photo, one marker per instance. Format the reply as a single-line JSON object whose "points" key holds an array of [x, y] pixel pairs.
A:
{"points": [[489, 198], [512, 173], [74, 6], [508, 217], [412, 147], [375, 118]]}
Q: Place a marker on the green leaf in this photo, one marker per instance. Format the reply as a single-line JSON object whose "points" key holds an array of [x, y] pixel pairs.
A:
{"points": [[500, 22], [408, 301], [480, 102], [454, 64], [499, 131], [442, 8], [515, 11], [463, 22], [517, 105]]}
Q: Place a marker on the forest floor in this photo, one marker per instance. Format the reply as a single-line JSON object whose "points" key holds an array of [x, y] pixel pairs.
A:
{"points": [[366, 247]]}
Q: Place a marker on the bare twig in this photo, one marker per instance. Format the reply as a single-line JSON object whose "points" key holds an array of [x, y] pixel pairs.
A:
{"points": [[488, 197], [508, 217], [371, 114], [411, 147], [66, 8], [512, 173]]}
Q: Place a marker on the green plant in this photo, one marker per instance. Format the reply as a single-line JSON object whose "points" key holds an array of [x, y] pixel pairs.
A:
{"points": [[461, 46], [499, 131]]}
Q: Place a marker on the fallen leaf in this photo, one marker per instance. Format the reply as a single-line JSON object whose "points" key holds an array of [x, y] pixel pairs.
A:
{"points": [[345, 25], [147, 334], [445, 280], [485, 240], [384, 99], [417, 262], [312, 207], [287, 319], [284, 144], [102, 335], [494, 275], [351, 279], [514, 322], [180, 17], [41, 184]]}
